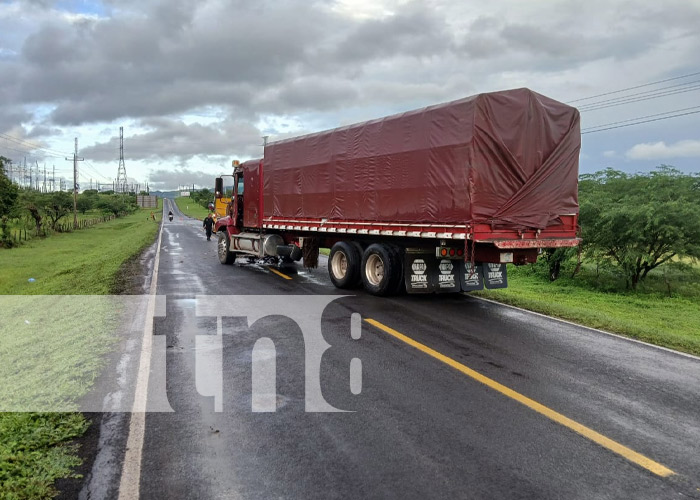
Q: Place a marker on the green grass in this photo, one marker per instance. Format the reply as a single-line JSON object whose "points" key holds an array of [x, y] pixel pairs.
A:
{"points": [[35, 450], [52, 349], [599, 299], [190, 208], [23, 229], [82, 262], [58, 340]]}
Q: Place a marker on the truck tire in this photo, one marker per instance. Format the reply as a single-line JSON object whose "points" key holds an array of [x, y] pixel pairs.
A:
{"points": [[380, 270], [226, 256], [400, 284], [344, 264]]}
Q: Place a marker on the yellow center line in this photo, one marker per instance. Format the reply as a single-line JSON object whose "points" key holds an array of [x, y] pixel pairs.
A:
{"points": [[581, 429], [279, 273]]}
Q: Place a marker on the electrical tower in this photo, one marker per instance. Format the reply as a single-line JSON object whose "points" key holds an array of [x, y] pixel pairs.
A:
{"points": [[121, 174], [75, 184]]}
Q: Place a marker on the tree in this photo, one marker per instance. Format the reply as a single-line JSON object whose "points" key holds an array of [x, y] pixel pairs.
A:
{"points": [[31, 202], [555, 257], [202, 197], [116, 204], [57, 205], [8, 191], [641, 221], [87, 200], [8, 199]]}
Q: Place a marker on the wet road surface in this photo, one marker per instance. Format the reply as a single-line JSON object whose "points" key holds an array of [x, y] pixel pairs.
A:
{"points": [[418, 425]]}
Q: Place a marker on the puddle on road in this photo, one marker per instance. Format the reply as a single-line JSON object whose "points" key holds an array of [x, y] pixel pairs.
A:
{"points": [[311, 278]]}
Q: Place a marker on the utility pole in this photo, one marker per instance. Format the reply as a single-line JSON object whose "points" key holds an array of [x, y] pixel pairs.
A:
{"points": [[53, 179], [75, 184], [44, 178]]}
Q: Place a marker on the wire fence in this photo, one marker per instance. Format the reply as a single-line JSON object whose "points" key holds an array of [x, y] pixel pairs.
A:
{"points": [[20, 235]]}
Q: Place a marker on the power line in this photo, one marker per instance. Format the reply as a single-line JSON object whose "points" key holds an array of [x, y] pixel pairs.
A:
{"points": [[31, 145], [25, 151], [646, 92], [625, 100], [643, 117], [94, 170], [636, 87], [598, 129]]}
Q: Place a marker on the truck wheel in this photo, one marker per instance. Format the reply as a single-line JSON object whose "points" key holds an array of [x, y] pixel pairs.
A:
{"points": [[344, 264], [380, 270], [226, 256], [400, 284]]}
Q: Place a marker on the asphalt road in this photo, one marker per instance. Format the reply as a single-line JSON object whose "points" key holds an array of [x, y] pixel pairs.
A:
{"points": [[419, 428]]}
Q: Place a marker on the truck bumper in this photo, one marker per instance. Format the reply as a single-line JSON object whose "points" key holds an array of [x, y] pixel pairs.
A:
{"points": [[536, 243]]}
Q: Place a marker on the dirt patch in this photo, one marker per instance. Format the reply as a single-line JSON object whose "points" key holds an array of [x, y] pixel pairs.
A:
{"points": [[134, 276], [70, 488]]}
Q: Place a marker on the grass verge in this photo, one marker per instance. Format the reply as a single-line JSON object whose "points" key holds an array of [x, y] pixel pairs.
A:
{"points": [[658, 312], [83, 262], [190, 208], [36, 448]]}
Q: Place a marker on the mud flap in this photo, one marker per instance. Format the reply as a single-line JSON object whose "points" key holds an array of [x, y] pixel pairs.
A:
{"points": [[420, 273], [495, 276], [471, 278], [448, 276]]}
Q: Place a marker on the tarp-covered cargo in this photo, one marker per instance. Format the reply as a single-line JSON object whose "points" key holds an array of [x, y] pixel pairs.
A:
{"points": [[507, 157]]}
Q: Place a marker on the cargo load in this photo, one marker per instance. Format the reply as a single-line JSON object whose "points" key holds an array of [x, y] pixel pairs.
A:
{"points": [[436, 199]]}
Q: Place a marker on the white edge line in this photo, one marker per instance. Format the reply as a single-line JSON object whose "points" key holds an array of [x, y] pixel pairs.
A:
{"points": [[617, 335], [130, 483]]}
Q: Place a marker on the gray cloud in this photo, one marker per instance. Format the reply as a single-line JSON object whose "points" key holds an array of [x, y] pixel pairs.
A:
{"points": [[168, 57], [414, 31], [177, 140], [150, 62], [169, 60]]}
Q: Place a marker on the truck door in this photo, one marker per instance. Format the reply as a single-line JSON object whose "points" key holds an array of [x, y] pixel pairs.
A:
{"points": [[238, 199]]}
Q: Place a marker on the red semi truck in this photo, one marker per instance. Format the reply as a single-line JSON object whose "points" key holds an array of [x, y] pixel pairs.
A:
{"points": [[434, 200]]}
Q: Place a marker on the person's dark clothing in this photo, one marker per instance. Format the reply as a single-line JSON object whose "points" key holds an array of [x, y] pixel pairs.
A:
{"points": [[208, 225]]}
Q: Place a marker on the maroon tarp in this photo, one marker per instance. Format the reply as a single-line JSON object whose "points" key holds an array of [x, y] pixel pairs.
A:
{"points": [[507, 157]]}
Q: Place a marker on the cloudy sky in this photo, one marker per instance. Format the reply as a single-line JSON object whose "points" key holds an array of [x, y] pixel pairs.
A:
{"points": [[196, 84]]}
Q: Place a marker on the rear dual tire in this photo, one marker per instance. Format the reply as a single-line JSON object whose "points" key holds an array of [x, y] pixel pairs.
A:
{"points": [[344, 265], [382, 270]]}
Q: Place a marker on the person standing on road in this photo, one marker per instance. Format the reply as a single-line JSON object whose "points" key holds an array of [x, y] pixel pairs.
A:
{"points": [[208, 226]]}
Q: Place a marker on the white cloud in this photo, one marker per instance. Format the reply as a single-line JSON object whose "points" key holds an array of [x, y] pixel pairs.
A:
{"points": [[661, 151], [610, 154]]}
